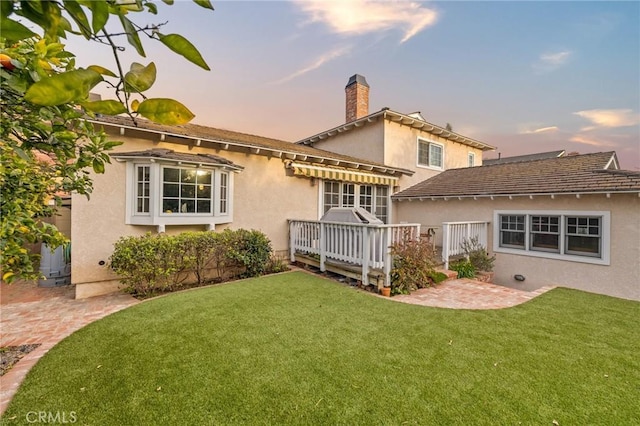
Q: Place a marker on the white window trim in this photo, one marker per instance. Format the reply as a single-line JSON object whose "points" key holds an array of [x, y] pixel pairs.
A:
{"points": [[136, 195], [356, 195], [425, 166], [156, 217], [471, 158], [605, 259]]}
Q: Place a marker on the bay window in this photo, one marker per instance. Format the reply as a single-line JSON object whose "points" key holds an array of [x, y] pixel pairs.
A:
{"points": [[169, 188]]}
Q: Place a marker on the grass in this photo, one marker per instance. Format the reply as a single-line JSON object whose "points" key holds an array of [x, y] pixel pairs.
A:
{"points": [[299, 349]]}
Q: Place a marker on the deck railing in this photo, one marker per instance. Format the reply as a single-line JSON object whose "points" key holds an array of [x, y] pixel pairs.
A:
{"points": [[455, 233], [363, 245]]}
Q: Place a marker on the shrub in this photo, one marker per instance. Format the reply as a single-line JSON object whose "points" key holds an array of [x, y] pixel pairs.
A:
{"points": [[251, 250], [158, 263], [150, 263], [413, 266], [477, 255], [206, 252], [464, 268]]}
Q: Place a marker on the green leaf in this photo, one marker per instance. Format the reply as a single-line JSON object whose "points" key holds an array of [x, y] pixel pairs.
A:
{"points": [[14, 31], [165, 111], [111, 144], [152, 8], [101, 70], [98, 166], [140, 78], [132, 34], [63, 88], [78, 15], [169, 2], [28, 10], [108, 107], [100, 10], [53, 20], [204, 3], [183, 47]]}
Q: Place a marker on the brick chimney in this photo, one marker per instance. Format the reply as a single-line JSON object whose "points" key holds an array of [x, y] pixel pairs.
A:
{"points": [[357, 91]]}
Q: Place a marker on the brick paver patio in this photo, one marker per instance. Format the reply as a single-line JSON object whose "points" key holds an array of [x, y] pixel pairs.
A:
{"points": [[469, 294], [31, 314]]}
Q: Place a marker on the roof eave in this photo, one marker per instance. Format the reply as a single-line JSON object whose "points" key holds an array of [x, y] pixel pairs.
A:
{"points": [[262, 150], [576, 194], [125, 157], [401, 119]]}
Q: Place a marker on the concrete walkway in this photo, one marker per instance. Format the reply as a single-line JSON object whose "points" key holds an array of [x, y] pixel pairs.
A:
{"points": [[31, 314]]}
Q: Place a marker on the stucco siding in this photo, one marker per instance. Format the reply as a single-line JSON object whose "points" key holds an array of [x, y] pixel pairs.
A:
{"points": [[621, 278], [366, 142], [401, 150], [264, 197]]}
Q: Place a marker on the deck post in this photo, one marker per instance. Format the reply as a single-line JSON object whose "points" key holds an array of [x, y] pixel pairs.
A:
{"points": [[388, 258], [323, 246], [366, 254], [292, 240], [445, 245]]}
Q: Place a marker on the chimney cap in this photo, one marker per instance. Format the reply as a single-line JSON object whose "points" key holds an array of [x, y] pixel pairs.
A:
{"points": [[357, 78]]}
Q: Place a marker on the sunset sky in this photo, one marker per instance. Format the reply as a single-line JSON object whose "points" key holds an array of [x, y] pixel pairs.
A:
{"points": [[523, 76]]}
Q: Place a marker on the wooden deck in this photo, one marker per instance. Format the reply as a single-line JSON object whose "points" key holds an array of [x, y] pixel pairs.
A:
{"points": [[375, 277], [343, 248]]}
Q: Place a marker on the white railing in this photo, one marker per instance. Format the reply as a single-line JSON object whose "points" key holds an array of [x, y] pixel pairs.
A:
{"points": [[364, 245], [455, 233]]}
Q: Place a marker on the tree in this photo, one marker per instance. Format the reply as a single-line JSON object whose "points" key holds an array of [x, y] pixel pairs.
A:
{"points": [[45, 100]]}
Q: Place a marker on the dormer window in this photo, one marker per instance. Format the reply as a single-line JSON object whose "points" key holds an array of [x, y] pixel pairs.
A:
{"points": [[169, 188]]}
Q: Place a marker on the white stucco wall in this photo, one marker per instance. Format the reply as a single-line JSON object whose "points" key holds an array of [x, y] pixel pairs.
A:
{"points": [[401, 150], [366, 142], [396, 145], [264, 198], [621, 278]]}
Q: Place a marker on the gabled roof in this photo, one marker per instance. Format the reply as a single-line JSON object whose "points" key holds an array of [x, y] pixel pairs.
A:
{"points": [[226, 139], [412, 121], [579, 174], [528, 157], [181, 157]]}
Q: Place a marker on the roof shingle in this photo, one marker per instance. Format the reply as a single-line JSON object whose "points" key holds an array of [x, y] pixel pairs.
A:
{"points": [[214, 134], [571, 174]]}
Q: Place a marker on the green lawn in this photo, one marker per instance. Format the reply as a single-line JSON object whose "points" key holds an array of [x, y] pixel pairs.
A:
{"points": [[298, 349]]}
